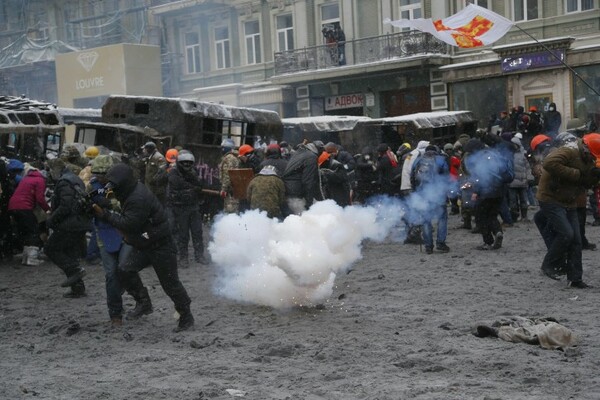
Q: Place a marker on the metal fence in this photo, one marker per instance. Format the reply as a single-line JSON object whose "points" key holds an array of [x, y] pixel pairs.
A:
{"points": [[359, 51]]}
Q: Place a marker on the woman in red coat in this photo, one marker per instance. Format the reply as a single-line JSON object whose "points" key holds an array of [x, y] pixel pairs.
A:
{"points": [[29, 194]]}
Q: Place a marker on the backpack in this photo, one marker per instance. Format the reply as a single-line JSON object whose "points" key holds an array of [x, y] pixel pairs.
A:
{"points": [[424, 171], [83, 200]]}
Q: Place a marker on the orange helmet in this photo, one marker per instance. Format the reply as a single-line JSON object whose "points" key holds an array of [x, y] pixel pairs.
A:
{"points": [[324, 157], [171, 155], [245, 149], [533, 108], [592, 141], [537, 140]]}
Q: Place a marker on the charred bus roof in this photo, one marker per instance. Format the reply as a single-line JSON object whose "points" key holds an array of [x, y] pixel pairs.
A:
{"points": [[170, 115], [22, 115]]}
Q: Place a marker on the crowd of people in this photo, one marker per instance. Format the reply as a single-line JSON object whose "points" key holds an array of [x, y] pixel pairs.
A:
{"points": [[130, 218]]}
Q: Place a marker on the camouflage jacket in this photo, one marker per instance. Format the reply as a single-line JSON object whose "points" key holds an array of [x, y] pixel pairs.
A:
{"points": [[153, 165], [229, 161], [267, 193]]}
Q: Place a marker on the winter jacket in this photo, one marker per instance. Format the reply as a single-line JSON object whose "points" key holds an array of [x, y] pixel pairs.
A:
{"points": [[566, 175], [30, 193], [408, 163], [521, 166], [267, 193], [229, 161], [279, 163], [152, 172], [184, 188], [301, 176], [142, 220], [335, 183], [67, 211], [107, 237], [552, 121], [489, 170]]}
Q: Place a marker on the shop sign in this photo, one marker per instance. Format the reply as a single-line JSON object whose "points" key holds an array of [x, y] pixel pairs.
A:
{"points": [[344, 101], [525, 62]]}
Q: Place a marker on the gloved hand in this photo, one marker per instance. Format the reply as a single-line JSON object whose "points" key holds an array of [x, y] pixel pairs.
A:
{"points": [[103, 202], [223, 194], [98, 211]]}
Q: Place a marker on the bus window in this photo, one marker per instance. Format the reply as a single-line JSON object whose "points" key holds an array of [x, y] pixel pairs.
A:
{"points": [[29, 118], [212, 130], [86, 135], [238, 133], [13, 141]]}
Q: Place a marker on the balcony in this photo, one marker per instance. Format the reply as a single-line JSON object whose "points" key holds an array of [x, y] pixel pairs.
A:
{"points": [[360, 51]]}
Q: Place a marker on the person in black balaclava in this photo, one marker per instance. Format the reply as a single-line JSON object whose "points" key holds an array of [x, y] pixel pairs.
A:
{"points": [[144, 225]]}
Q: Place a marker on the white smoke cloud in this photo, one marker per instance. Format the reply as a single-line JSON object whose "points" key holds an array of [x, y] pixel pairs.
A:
{"points": [[282, 264], [293, 262]]}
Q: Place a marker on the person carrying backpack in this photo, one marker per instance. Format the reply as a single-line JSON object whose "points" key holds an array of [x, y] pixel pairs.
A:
{"points": [[490, 170], [431, 179]]}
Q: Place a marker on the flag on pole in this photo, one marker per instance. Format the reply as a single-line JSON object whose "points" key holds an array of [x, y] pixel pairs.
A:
{"points": [[473, 26]]}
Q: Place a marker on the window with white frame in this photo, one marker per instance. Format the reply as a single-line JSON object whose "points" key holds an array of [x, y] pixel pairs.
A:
{"points": [[285, 32], [579, 5], [480, 3], [253, 49], [330, 17], [525, 10], [222, 47], [410, 9], [192, 52]]}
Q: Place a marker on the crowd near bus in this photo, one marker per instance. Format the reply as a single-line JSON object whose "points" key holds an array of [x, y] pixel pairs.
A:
{"points": [[129, 212]]}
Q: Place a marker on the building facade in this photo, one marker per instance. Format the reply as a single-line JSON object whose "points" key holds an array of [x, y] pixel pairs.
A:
{"points": [[329, 57]]}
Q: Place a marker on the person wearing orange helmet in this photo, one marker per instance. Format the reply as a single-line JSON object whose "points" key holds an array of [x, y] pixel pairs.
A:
{"points": [[567, 174], [248, 158], [171, 156]]}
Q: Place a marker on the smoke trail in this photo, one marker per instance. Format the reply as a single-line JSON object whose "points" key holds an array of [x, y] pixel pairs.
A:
{"points": [[295, 262]]}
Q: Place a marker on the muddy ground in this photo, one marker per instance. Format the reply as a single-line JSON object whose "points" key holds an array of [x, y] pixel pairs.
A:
{"points": [[398, 326]]}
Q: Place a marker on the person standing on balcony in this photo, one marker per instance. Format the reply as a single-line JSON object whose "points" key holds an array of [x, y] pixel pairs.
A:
{"points": [[340, 39]]}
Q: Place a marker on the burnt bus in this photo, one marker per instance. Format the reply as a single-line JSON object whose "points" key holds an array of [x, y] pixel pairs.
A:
{"points": [[356, 133], [130, 121], [29, 130]]}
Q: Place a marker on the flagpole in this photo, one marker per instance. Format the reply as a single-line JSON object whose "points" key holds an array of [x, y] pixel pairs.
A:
{"points": [[559, 59]]}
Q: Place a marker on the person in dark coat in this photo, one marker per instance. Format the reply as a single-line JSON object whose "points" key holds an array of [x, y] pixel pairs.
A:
{"points": [[567, 174], [184, 195], [489, 170], [273, 157], [69, 222], [266, 192], [552, 121], [144, 224], [366, 175], [334, 180], [301, 178], [387, 168]]}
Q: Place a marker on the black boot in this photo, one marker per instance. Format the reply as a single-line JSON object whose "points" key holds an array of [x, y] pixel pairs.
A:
{"points": [[73, 275], [143, 305], [186, 319], [77, 291]]}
